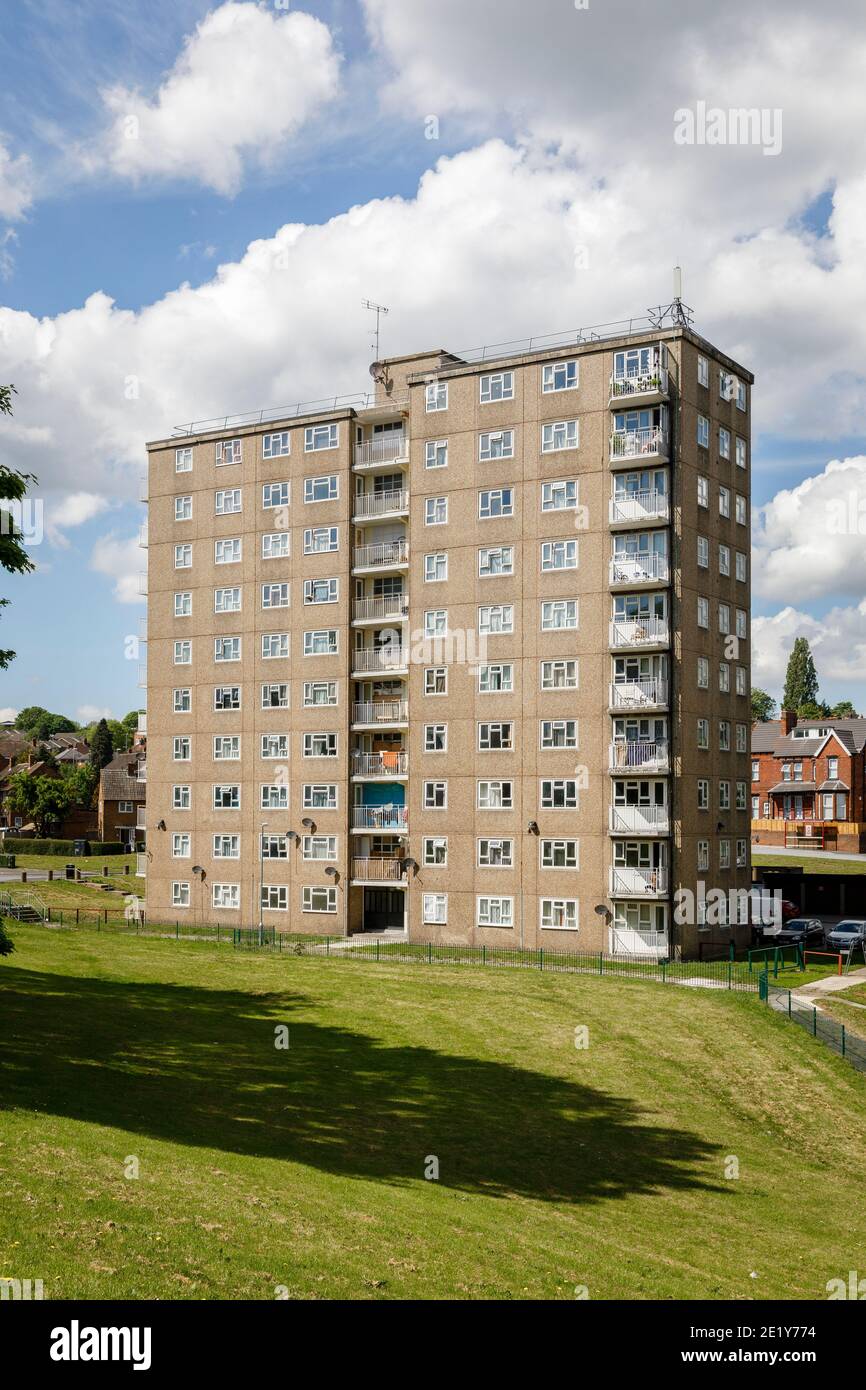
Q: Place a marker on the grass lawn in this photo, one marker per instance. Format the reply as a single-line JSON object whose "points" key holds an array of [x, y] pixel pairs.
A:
{"points": [[304, 1167], [811, 862]]}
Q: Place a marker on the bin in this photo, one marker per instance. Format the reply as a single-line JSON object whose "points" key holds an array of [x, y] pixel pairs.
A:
{"points": [[70, 871]]}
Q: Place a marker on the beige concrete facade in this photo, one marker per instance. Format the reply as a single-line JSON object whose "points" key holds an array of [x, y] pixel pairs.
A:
{"points": [[506, 731]]}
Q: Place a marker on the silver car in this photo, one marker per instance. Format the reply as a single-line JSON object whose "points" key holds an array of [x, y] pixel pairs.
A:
{"points": [[851, 931]]}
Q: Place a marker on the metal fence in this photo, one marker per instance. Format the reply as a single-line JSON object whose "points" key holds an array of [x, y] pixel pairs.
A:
{"points": [[834, 1035]]}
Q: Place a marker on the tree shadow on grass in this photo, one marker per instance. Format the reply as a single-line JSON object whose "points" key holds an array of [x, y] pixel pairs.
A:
{"points": [[198, 1066]]}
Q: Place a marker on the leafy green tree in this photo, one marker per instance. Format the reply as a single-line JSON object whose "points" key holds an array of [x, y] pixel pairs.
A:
{"points": [[763, 706], [40, 723], [101, 746], [81, 783], [814, 709], [44, 800], [801, 678], [13, 487], [843, 710]]}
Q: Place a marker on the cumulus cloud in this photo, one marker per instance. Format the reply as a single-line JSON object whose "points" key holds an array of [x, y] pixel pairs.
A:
{"points": [[86, 714], [809, 540], [837, 640], [74, 509], [245, 82], [122, 560], [16, 184], [8, 715]]}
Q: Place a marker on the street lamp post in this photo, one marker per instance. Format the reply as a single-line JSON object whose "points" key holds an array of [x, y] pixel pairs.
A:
{"points": [[264, 827]]}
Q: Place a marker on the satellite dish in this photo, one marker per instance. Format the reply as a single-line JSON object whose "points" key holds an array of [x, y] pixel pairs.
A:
{"points": [[376, 371]]}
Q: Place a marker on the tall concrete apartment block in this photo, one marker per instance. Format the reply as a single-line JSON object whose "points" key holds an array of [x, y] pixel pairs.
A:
{"points": [[467, 659]]}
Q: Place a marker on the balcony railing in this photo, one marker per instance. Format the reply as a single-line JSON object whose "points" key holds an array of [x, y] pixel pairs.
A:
{"points": [[141, 819], [650, 568], [141, 865], [650, 883], [393, 445], [639, 694], [382, 820], [652, 757], [638, 632], [380, 607], [142, 721], [646, 384], [142, 536], [372, 870], [651, 505], [640, 820], [389, 764], [382, 555], [651, 442], [370, 504], [142, 582], [141, 773], [381, 712], [370, 659], [142, 676]]}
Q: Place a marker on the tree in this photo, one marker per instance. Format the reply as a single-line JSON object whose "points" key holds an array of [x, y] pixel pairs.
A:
{"points": [[13, 487], [81, 783], [44, 800], [814, 709], [101, 746], [843, 710], [40, 723], [763, 706], [801, 678]]}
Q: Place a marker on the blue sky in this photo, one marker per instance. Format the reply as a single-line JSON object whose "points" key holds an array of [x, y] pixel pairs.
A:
{"points": [[254, 118]]}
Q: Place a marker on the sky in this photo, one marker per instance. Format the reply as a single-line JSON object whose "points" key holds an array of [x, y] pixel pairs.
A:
{"points": [[196, 198]]}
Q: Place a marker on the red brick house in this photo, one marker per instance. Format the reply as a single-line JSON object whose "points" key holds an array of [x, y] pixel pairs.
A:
{"points": [[121, 799], [809, 782]]}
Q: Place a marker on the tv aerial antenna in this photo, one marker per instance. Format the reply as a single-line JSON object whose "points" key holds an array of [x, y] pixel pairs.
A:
{"points": [[676, 314], [378, 310]]}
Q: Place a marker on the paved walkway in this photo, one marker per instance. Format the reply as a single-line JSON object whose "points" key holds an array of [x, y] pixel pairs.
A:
{"points": [[800, 854], [831, 984]]}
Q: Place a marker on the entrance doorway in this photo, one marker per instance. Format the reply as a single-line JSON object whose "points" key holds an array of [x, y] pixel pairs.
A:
{"points": [[384, 909]]}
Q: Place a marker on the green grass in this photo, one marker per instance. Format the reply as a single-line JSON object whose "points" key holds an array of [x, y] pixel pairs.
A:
{"points": [[304, 1168], [90, 863], [812, 862]]}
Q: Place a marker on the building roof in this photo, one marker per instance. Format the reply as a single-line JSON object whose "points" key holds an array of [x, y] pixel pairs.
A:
{"points": [[117, 785], [767, 737], [792, 787], [71, 755]]}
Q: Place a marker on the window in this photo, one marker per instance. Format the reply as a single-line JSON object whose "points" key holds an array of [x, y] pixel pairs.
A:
{"points": [[321, 590], [274, 796], [321, 539], [319, 693], [435, 796], [496, 618], [703, 673], [741, 796], [183, 605], [322, 642], [559, 496], [497, 502], [180, 845], [703, 372], [227, 895], [703, 856], [742, 734], [227, 697], [724, 796], [183, 460], [180, 895], [559, 854], [324, 489], [495, 854], [321, 437], [740, 677], [559, 376], [436, 680], [275, 495], [275, 645], [703, 794], [226, 747], [435, 622], [724, 559], [724, 618], [320, 745], [756, 770], [227, 501], [434, 854], [275, 596], [740, 513], [275, 696], [498, 386], [740, 452], [724, 502], [832, 769], [227, 552], [497, 678], [742, 854], [434, 908], [181, 798], [559, 675], [703, 552], [436, 511], [741, 567], [559, 614], [226, 797], [275, 446], [320, 796], [703, 733], [724, 677], [559, 555], [275, 897], [182, 701], [275, 745], [742, 621], [319, 847], [559, 434], [741, 395], [226, 846], [724, 854], [228, 451], [227, 600], [724, 736], [498, 444], [436, 567], [436, 396], [495, 796], [703, 492], [183, 509], [495, 912], [724, 443], [435, 738], [183, 653], [558, 733], [495, 737], [181, 750], [436, 453], [318, 900], [495, 560], [559, 794], [183, 557], [559, 914], [703, 612], [703, 432], [275, 545]]}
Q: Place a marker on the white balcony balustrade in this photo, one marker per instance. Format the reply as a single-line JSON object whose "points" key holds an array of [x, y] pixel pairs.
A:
{"points": [[387, 764], [638, 883], [650, 756], [373, 659], [381, 555], [644, 694], [380, 608], [639, 632], [381, 820], [640, 820], [368, 869], [637, 507], [643, 384], [648, 568], [647, 443], [366, 505], [381, 712], [384, 449]]}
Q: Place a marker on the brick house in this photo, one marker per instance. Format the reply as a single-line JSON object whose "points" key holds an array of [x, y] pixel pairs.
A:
{"points": [[808, 781], [121, 795]]}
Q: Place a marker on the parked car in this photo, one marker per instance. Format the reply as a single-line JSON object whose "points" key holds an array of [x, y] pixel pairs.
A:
{"points": [[797, 931], [764, 921], [851, 931]]}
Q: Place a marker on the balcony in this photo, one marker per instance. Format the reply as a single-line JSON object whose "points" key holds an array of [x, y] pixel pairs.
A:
{"points": [[386, 448], [638, 883], [639, 508], [639, 820], [380, 820], [383, 555], [381, 608], [141, 866], [142, 583], [141, 818], [142, 721], [142, 676], [142, 487], [380, 766], [373, 660], [645, 694], [142, 536], [646, 387], [629, 571], [636, 633], [646, 444], [367, 869], [631, 755], [141, 773], [367, 506], [379, 714]]}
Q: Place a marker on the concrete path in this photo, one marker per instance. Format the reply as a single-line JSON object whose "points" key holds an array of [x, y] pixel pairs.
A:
{"points": [[799, 854], [831, 984]]}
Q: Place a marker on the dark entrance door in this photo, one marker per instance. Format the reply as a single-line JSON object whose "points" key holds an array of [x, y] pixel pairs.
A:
{"points": [[383, 909]]}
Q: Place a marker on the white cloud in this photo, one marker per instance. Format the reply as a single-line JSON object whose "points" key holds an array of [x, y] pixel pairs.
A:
{"points": [[246, 80], [122, 560], [8, 715], [16, 185], [73, 509], [837, 640], [809, 540], [86, 714]]}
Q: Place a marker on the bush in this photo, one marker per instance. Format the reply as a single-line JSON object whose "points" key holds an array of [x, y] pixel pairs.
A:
{"points": [[107, 847], [7, 861], [20, 846]]}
